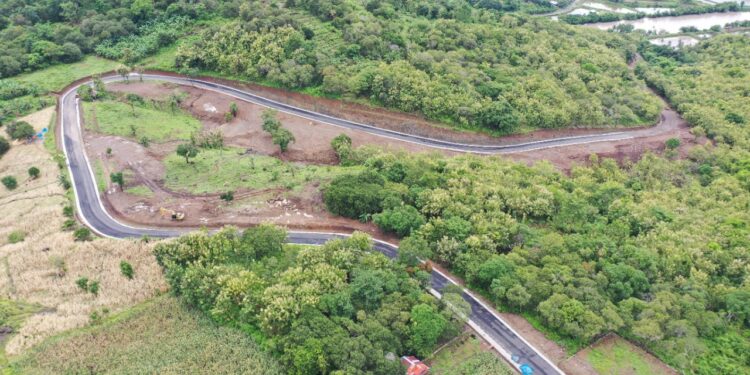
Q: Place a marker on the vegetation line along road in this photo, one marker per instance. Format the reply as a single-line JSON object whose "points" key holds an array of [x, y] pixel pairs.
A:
{"points": [[668, 118], [94, 215]]}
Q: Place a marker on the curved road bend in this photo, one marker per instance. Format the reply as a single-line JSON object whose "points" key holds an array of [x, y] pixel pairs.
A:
{"points": [[483, 319]]}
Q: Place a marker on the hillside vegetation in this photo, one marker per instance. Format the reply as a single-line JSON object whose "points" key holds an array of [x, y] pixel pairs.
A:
{"points": [[478, 69], [337, 308]]}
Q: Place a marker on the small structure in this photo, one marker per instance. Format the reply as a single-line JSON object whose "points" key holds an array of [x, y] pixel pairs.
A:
{"points": [[414, 366]]}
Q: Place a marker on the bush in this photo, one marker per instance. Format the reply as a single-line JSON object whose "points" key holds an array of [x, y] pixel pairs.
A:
{"points": [[94, 288], [672, 143], [4, 146], [126, 269], [16, 236], [228, 196], [68, 211], [83, 283], [68, 224], [64, 182], [34, 172], [10, 182], [353, 196], [401, 220], [20, 130], [82, 234], [342, 145]]}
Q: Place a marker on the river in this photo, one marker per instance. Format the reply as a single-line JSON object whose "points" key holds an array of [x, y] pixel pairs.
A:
{"points": [[672, 25]]}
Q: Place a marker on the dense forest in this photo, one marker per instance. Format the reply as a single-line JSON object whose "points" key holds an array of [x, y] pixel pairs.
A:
{"points": [[338, 308], [475, 68], [656, 251]]}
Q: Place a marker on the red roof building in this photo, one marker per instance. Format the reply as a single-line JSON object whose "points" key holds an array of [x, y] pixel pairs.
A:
{"points": [[414, 366]]}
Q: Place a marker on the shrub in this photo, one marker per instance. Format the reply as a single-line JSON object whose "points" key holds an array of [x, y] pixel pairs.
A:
{"points": [[16, 236], [126, 269], [228, 196], [117, 178], [401, 220], [233, 109], [94, 288], [20, 130], [342, 145], [4, 146], [282, 137], [64, 182], [83, 283], [68, 211], [145, 142], [34, 172], [10, 182], [82, 234], [86, 93], [68, 224], [672, 143], [228, 117]]}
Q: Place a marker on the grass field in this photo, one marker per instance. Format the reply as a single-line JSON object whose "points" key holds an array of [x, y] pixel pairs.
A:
{"points": [[116, 118], [218, 170], [42, 270], [466, 356], [57, 77], [615, 356], [160, 336], [140, 191]]}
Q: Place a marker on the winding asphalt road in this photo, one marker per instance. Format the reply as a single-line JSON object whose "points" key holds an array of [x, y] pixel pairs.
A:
{"points": [[483, 318]]}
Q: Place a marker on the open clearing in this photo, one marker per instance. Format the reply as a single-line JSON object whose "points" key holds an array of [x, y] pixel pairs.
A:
{"points": [[614, 355], [468, 355], [56, 77], [160, 336], [43, 268], [218, 170], [116, 118]]}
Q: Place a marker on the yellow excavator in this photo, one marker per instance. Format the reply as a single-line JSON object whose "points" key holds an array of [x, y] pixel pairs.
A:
{"points": [[172, 214]]}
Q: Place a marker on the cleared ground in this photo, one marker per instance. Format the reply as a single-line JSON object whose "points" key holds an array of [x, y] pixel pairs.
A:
{"points": [[218, 170], [117, 118], [43, 268], [161, 336], [614, 355]]}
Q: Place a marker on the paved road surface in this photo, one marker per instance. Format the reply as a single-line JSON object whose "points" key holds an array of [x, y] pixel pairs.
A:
{"points": [[483, 319]]}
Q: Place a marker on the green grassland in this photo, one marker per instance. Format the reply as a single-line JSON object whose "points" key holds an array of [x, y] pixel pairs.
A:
{"points": [[57, 77], [217, 170], [140, 191], [161, 336], [620, 358], [116, 118]]}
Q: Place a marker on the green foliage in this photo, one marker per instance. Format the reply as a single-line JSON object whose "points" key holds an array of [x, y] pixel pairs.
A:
{"points": [[401, 220], [307, 301], [342, 146], [354, 195], [20, 130], [34, 172], [427, 325], [9, 182], [147, 40], [117, 178], [83, 283], [282, 137], [227, 196], [126, 269], [16, 236], [187, 151], [233, 109], [672, 143], [4, 146], [82, 234], [515, 73]]}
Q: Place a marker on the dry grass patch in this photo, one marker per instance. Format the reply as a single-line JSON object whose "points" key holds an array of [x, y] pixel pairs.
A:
{"points": [[43, 268]]}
